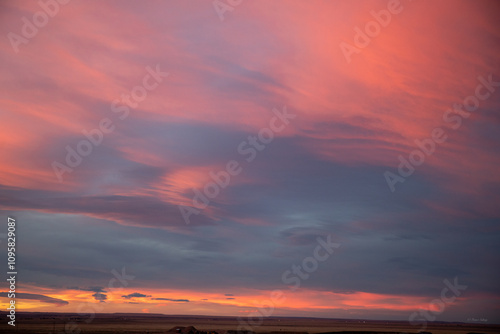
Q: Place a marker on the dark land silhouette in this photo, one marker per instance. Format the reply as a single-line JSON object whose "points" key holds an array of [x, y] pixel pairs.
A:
{"points": [[45, 323]]}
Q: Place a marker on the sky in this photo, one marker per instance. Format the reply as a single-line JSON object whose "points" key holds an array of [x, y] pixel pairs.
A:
{"points": [[295, 158]]}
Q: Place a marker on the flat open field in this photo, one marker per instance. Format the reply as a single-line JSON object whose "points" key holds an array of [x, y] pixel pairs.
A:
{"points": [[43, 323]]}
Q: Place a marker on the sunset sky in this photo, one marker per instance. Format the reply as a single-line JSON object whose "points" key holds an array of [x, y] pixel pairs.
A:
{"points": [[203, 150]]}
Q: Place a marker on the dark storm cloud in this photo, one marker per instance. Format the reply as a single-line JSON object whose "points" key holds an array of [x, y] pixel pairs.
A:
{"points": [[101, 297], [307, 198], [300, 197], [40, 298], [135, 295], [172, 300], [134, 210]]}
